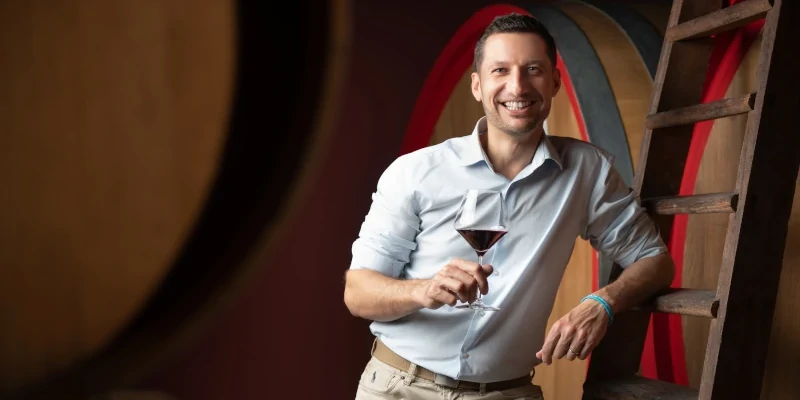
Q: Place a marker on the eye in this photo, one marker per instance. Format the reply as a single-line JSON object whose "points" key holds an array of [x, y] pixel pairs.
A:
{"points": [[498, 70], [535, 71]]}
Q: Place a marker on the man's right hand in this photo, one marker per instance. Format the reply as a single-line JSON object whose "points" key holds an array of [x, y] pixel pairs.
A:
{"points": [[457, 280]]}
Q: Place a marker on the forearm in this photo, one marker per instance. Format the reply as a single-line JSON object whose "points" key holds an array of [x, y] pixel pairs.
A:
{"points": [[639, 282], [371, 295]]}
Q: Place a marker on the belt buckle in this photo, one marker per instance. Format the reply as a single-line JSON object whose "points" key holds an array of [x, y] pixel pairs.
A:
{"points": [[445, 380]]}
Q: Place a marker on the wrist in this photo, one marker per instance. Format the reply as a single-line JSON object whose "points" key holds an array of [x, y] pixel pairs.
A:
{"points": [[610, 299], [419, 288], [602, 303]]}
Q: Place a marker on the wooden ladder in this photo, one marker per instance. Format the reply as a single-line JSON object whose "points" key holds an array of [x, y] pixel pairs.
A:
{"points": [[742, 306]]}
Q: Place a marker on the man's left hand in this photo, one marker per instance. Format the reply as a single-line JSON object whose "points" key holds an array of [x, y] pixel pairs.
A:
{"points": [[576, 334]]}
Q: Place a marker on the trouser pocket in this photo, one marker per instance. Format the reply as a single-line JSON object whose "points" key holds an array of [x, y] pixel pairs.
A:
{"points": [[379, 378]]}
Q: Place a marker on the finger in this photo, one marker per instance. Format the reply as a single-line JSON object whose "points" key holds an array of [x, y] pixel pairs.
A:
{"points": [[585, 351], [444, 297], [467, 266], [571, 352], [565, 339], [575, 347], [455, 287], [471, 284], [476, 271], [549, 346], [588, 346]]}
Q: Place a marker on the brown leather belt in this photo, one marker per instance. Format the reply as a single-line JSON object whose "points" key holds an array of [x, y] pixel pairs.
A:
{"points": [[387, 356]]}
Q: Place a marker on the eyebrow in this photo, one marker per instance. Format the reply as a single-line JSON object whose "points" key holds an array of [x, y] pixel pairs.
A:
{"points": [[529, 62]]}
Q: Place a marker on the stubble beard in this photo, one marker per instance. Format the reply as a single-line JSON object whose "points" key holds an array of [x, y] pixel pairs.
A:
{"points": [[493, 117]]}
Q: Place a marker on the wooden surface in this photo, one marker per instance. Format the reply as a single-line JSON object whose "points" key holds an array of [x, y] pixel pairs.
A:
{"points": [[638, 389], [783, 359], [654, 13], [691, 302], [705, 241], [627, 74], [121, 113], [726, 19], [692, 204], [678, 84], [705, 234], [113, 118], [702, 112], [460, 114], [753, 254]]}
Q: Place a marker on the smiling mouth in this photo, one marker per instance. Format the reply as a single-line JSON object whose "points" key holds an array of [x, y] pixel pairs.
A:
{"points": [[516, 105]]}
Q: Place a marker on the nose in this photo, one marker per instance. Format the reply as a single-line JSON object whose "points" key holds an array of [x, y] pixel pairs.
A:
{"points": [[518, 83]]}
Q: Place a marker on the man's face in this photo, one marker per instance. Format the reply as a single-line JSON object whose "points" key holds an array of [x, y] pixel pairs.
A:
{"points": [[516, 82]]}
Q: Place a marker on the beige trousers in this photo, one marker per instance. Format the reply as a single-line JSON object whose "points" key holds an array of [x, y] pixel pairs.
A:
{"points": [[379, 381]]}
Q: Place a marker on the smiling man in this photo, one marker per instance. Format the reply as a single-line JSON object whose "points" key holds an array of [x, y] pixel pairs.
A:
{"points": [[410, 267]]}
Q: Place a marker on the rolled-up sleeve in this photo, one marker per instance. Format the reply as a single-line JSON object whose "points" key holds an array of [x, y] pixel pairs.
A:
{"points": [[617, 225], [388, 233]]}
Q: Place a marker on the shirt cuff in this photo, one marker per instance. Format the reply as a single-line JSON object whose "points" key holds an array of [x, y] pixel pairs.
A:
{"points": [[376, 262]]}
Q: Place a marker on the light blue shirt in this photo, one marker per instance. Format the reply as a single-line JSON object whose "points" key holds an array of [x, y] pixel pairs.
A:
{"points": [[569, 189]]}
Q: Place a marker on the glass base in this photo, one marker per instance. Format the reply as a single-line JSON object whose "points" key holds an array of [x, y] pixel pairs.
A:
{"points": [[478, 305]]}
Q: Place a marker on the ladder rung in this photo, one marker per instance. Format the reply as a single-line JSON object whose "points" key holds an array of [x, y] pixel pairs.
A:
{"points": [[692, 204], [689, 302], [636, 388], [728, 18], [702, 112]]}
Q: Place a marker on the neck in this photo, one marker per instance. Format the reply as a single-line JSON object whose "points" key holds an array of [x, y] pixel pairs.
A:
{"points": [[510, 154]]}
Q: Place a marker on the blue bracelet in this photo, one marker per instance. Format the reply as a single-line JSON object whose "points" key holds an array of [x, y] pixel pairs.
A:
{"points": [[604, 304]]}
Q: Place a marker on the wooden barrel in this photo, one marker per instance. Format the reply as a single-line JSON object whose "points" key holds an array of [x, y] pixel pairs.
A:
{"points": [[145, 173]]}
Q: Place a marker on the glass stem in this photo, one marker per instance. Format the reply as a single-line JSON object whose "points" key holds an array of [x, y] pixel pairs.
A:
{"points": [[480, 263]]}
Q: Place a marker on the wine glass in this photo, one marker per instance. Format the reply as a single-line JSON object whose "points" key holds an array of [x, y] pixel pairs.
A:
{"points": [[482, 221]]}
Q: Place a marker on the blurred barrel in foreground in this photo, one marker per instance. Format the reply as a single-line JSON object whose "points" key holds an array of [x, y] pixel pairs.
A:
{"points": [[144, 173]]}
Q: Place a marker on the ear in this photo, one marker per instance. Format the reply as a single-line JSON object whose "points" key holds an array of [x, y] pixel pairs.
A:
{"points": [[556, 81], [476, 86]]}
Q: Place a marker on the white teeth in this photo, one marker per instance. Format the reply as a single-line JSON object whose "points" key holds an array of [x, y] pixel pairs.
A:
{"points": [[516, 105]]}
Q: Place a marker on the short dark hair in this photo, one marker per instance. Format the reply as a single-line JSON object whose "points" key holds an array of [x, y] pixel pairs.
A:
{"points": [[514, 23]]}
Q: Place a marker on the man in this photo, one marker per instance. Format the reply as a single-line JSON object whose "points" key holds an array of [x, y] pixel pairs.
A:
{"points": [[410, 266]]}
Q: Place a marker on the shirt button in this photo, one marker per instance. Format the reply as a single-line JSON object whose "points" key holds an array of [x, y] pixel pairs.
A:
{"points": [[496, 273], [464, 355]]}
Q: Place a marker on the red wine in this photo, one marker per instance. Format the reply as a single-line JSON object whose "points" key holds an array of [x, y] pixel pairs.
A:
{"points": [[481, 240]]}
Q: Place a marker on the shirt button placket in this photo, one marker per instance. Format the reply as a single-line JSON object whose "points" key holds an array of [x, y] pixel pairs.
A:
{"points": [[509, 208]]}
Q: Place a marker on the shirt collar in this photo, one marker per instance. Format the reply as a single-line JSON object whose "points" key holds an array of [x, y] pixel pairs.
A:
{"points": [[473, 152]]}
